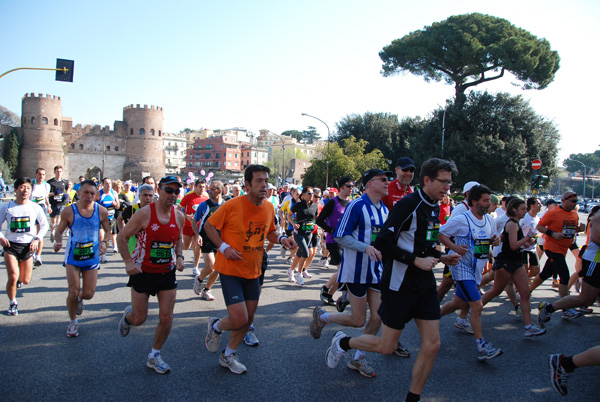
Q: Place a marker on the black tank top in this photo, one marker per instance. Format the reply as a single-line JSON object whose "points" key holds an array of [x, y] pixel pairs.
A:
{"points": [[507, 253]]}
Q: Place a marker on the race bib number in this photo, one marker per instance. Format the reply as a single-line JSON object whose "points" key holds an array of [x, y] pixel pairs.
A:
{"points": [[374, 232], [20, 224], [433, 229], [161, 252], [482, 248], [307, 227], [38, 200], [569, 231], [83, 251]]}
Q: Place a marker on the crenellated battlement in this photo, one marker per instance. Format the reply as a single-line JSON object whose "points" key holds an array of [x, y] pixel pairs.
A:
{"points": [[138, 106], [89, 129], [41, 96]]}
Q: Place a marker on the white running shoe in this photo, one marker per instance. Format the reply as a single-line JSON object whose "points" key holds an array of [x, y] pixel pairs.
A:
{"points": [[158, 364], [103, 258], [207, 295], [291, 277], [232, 363], [197, 285], [195, 271], [72, 330], [212, 336], [335, 352], [299, 279], [305, 274], [465, 325]]}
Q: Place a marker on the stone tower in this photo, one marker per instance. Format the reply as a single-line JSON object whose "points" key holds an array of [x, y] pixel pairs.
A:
{"points": [[41, 135], [144, 150]]}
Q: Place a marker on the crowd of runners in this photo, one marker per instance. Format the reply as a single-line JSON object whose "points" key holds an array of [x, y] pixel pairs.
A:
{"points": [[383, 236]]}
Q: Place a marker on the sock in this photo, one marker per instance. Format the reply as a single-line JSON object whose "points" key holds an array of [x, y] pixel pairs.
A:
{"points": [[550, 309], [229, 351], [567, 363], [73, 321], [216, 326], [527, 326], [517, 307], [410, 397], [251, 327], [13, 301], [154, 353], [359, 354], [345, 343], [480, 344], [206, 289]]}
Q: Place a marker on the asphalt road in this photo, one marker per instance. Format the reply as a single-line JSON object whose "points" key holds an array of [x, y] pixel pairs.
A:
{"points": [[41, 363]]}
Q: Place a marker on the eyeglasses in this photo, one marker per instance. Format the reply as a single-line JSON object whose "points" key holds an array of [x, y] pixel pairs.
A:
{"points": [[383, 179], [349, 185], [573, 200], [445, 182], [170, 190], [410, 169], [309, 193], [316, 196]]}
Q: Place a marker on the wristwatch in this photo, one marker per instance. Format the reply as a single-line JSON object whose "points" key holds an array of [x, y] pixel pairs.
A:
{"points": [[180, 255]]}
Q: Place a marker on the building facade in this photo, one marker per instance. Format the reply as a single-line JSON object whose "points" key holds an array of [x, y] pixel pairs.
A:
{"points": [[215, 153], [175, 145]]}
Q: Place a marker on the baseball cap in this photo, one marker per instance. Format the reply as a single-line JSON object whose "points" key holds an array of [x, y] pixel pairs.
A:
{"points": [[344, 180], [469, 186], [495, 199], [405, 162], [169, 180], [270, 187], [551, 201], [369, 174], [568, 195]]}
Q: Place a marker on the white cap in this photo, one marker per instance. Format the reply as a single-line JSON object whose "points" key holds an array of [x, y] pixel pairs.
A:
{"points": [[469, 186]]}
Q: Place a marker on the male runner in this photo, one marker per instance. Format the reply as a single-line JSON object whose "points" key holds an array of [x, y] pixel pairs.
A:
{"points": [[22, 238], [40, 194], [203, 212], [360, 269], [151, 267], [407, 242], [400, 187], [82, 255], [58, 198], [146, 196], [109, 199], [244, 224], [189, 205]]}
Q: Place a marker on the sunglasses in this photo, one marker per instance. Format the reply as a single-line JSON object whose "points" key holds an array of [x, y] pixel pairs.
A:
{"points": [[410, 169], [383, 179], [309, 193], [170, 190], [349, 185], [573, 200]]}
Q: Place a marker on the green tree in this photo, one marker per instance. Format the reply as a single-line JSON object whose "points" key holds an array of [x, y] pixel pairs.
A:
{"points": [[348, 158], [591, 161], [492, 139], [310, 135], [8, 118], [11, 151], [294, 134], [470, 49]]}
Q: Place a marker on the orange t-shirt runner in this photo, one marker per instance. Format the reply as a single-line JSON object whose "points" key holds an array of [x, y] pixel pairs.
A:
{"points": [[190, 203], [560, 221], [244, 226]]}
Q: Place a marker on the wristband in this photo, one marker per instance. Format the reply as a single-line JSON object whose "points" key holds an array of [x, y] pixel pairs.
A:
{"points": [[224, 246], [281, 237], [549, 232], [180, 255]]}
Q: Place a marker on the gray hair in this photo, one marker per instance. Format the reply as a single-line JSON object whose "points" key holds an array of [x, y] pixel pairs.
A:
{"points": [[146, 187]]}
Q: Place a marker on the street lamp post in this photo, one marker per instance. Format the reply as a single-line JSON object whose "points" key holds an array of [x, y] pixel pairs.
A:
{"points": [[327, 162], [584, 173]]}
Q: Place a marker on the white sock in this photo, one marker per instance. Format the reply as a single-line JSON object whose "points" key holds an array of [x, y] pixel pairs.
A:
{"points": [[13, 301], [216, 326], [73, 321], [324, 317], [359, 354], [154, 353], [229, 351]]}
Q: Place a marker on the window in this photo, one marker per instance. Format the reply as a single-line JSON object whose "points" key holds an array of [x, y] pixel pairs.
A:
{"points": [[56, 122], [236, 155], [131, 131], [108, 148], [80, 146], [44, 120], [72, 146], [33, 120], [207, 155], [116, 148], [151, 131], [159, 133], [142, 131], [218, 164]]}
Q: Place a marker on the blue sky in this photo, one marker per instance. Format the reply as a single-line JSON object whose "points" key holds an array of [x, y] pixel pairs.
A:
{"points": [[260, 64]]}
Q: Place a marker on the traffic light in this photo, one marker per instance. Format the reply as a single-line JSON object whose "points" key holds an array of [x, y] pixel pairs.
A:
{"points": [[64, 70], [537, 180]]}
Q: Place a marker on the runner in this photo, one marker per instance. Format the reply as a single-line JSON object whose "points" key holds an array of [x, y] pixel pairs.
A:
{"points": [[109, 199], [40, 194], [286, 206], [203, 212], [84, 220], [189, 205], [360, 269], [400, 187], [22, 238], [151, 267], [146, 197], [244, 224], [58, 198], [529, 224], [407, 241], [302, 218]]}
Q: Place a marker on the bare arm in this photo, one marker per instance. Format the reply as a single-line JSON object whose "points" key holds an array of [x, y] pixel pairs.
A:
{"points": [[595, 229], [137, 222], [66, 219], [230, 253]]}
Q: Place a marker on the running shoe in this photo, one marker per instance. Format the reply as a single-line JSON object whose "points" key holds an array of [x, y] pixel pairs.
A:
{"points": [[195, 271], [465, 325], [342, 302], [197, 285], [115, 250], [123, 326], [37, 261], [585, 310], [555, 283], [558, 375], [570, 314], [13, 309], [291, 277], [299, 279], [326, 264], [72, 330], [289, 261], [103, 258], [305, 274], [401, 351], [543, 314], [534, 330], [19, 284], [51, 236], [325, 294], [488, 352], [362, 367], [232, 363], [79, 306], [250, 339], [207, 295], [316, 325], [335, 352], [322, 261], [158, 364], [212, 336], [518, 312]]}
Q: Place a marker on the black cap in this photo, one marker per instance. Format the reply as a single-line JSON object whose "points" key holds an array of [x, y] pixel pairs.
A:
{"points": [[551, 201], [369, 174], [169, 180], [343, 181], [405, 162]]}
